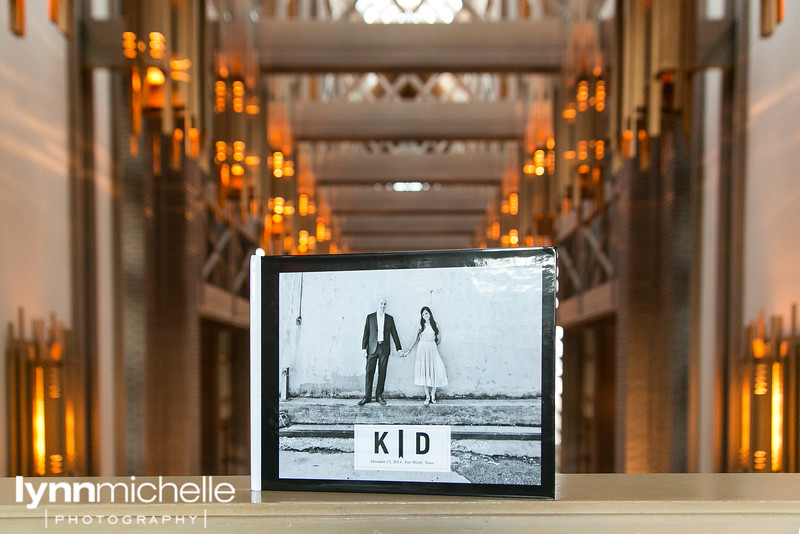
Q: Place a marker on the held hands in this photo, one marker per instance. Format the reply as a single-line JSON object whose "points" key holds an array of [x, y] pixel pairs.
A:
{"points": [[365, 352]]}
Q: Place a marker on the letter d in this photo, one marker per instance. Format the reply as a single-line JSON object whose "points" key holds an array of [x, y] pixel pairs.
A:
{"points": [[423, 436]]}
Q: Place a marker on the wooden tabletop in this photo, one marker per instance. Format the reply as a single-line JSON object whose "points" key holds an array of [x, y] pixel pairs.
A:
{"points": [[618, 503]]}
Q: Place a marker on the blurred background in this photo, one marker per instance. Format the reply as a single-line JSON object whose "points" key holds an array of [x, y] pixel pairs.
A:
{"points": [[148, 148]]}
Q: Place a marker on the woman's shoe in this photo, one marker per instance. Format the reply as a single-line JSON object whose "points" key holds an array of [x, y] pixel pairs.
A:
{"points": [[427, 401]]}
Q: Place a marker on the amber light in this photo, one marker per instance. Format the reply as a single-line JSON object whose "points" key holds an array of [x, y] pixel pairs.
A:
{"points": [[220, 94], [513, 203], [155, 76], [129, 45], [777, 417], [40, 461], [238, 97], [157, 45], [302, 204], [222, 150], [320, 230]]}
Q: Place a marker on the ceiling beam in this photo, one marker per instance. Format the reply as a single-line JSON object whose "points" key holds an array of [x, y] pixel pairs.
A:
{"points": [[473, 199], [402, 121], [382, 243], [450, 168], [503, 46]]}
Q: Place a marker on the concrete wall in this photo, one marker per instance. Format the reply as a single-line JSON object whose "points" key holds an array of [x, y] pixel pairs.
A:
{"points": [[34, 185], [772, 209], [490, 321]]}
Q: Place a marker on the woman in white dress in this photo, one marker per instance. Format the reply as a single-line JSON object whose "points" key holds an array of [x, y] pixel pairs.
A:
{"points": [[429, 371]]}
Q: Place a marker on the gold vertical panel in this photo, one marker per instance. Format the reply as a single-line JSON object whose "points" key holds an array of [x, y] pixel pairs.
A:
{"points": [[16, 16]]}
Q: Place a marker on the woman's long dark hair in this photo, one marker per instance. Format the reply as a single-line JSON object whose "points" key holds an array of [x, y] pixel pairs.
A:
{"points": [[433, 323]]}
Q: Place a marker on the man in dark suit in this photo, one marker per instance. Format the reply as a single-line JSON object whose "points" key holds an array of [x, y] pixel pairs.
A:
{"points": [[378, 330]]}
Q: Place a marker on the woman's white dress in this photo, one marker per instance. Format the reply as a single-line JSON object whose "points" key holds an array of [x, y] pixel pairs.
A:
{"points": [[429, 367]]}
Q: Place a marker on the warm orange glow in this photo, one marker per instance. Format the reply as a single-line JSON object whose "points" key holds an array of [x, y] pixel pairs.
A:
{"points": [[194, 143], [288, 209], [627, 144], [252, 161], [504, 240], [513, 203], [745, 450], [539, 171], [569, 155], [302, 204], [157, 44], [302, 237], [599, 150], [530, 168], [155, 76], [569, 113], [583, 169], [277, 218], [39, 459], [551, 161], [180, 64], [760, 460], [495, 235], [583, 151], [179, 76], [157, 154], [777, 417], [129, 45], [760, 379], [222, 150], [551, 143], [513, 237], [504, 206], [252, 109], [220, 95], [237, 169], [320, 230], [69, 428], [759, 348], [583, 91], [225, 175]]}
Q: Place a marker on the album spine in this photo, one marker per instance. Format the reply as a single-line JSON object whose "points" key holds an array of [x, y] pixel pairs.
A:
{"points": [[255, 379]]}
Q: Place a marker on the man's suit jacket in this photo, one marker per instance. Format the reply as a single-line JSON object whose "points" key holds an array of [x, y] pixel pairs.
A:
{"points": [[370, 339]]}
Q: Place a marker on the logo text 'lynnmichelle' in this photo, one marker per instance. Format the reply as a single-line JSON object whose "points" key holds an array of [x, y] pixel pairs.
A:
{"points": [[127, 492]]}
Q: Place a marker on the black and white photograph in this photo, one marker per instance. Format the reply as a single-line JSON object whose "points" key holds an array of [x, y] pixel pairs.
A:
{"points": [[419, 374]]}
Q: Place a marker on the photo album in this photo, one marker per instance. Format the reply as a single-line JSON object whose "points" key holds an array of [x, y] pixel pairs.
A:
{"points": [[411, 372]]}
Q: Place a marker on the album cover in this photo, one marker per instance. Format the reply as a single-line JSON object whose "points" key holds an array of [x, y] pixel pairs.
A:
{"points": [[416, 372]]}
